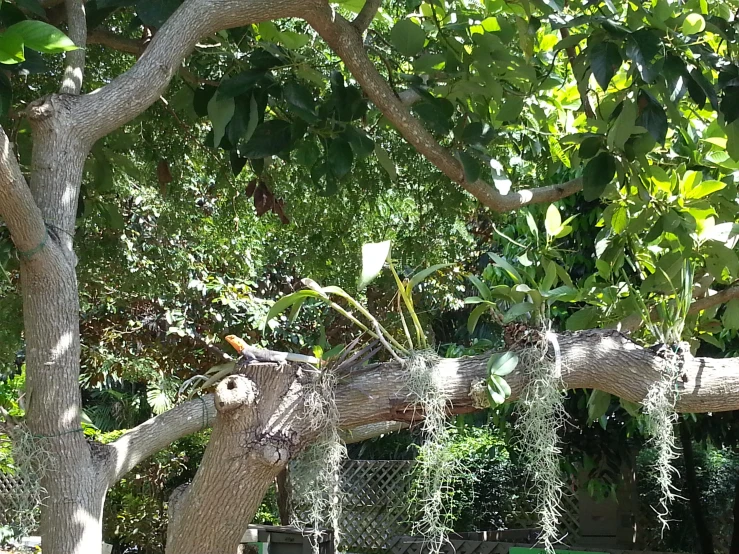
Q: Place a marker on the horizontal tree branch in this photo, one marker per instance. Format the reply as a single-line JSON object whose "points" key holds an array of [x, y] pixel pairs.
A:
{"points": [[596, 359], [156, 434], [342, 37], [17, 206], [374, 400]]}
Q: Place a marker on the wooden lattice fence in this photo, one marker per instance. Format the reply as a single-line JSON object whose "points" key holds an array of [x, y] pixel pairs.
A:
{"points": [[375, 512], [8, 489]]}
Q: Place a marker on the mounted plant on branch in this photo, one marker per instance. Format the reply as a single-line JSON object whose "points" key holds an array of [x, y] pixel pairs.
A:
{"points": [[659, 405], [533, 348], [436, 466]]}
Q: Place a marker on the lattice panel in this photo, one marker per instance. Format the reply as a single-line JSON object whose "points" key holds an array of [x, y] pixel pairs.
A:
{"points": [[375, 503], [9, 486]]}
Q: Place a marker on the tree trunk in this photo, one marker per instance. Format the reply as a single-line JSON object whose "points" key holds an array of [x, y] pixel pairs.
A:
{"points": [[71, 517], [703, 533], [260, 426]]}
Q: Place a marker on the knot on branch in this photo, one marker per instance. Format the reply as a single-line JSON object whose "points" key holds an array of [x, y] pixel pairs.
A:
{"points": [[234, 392], [276, 448]]}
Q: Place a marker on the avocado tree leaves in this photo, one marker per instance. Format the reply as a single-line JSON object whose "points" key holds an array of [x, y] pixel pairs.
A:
{"points": [[598, 173], [642, 47], [407, 37], [652, 116], [605, 59], [339, 158], [269, 139]]}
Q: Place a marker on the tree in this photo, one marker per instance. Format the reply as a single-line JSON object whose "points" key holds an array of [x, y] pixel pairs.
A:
{"points": [[472, 98]]}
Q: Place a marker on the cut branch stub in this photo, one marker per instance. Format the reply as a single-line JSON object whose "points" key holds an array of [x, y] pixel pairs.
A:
{"points": [[234, 392]]}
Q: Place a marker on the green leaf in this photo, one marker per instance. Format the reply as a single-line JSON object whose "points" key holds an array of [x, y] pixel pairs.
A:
{"points": [[422, 275], [497, 396], [470, 166], [704, 189], [477, 133], [407, 37], [642, 47], [361, 144], [517, 310], [598, 173], [475, 317], [436, 114], [582, 319], [32, 6], [632, 408], [502, 263], [386, 162], [220, 112], [241, 125], [531, 222], [605, 60], [693, 24], [590, 146], [620, 220], [270, 138], [730, 104], [502, 363], [730, 318], [288, 301], [374, 256], [155, 13], [339, 158], [598, 404], [553, 221], [653, 117], [501, 384], [293, 40], [568, 42], [481, 286], [300, 100], [243, 82], [11, 49], [41, 37], [623, 127]]}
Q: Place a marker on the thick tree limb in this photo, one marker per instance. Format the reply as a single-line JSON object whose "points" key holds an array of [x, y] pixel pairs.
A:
{"points": [[75, 60], [17, 206], [719, 298], [364, 18], [342, 37], [599, 359], [373, 400], [152, 436]]}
